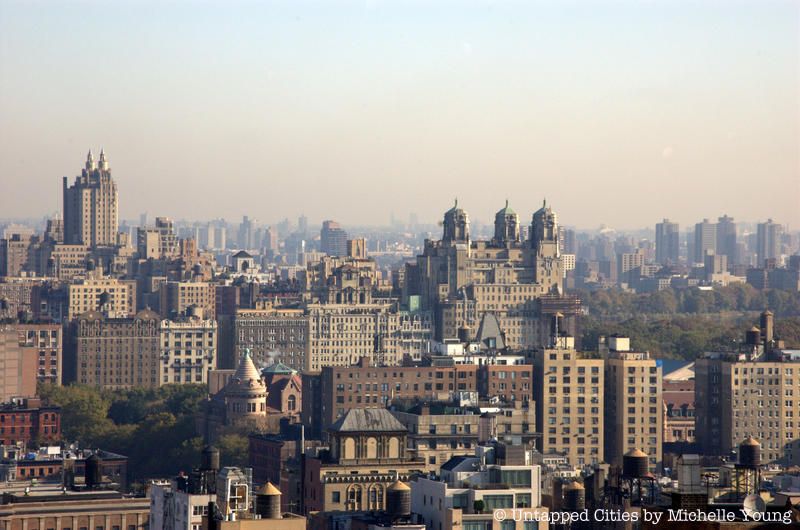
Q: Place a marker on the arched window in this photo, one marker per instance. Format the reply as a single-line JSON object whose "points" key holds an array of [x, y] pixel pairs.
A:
{"points": [[291, 403], [354, 497], [375, 497]]}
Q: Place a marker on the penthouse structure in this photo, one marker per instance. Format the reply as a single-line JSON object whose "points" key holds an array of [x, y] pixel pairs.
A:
{"points": [[476, 491]]}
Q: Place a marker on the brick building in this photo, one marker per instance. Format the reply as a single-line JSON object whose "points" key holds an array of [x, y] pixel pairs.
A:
{"points": [[28, 420], [336, 389]]}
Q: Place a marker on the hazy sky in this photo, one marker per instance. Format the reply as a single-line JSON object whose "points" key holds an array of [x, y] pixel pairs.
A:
{"points": [[617, 112]]}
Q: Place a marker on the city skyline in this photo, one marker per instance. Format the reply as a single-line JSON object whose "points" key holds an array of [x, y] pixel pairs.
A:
{"points": [[689, 104]]}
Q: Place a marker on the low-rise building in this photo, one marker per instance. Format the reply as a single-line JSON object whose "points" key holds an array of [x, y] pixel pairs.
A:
{"points": [[679, 412], [27, 420]]}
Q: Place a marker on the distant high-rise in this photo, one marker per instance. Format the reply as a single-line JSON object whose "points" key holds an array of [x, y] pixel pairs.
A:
{"points": [[333, 239], [768, 242], [726, 239], [91, 206], [705, 238], [302, 224], [247, 231], [567, 242], [667, 242]]}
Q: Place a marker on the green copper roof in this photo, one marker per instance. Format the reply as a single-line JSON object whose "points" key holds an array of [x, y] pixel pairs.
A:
{"points": [[507, 210]]}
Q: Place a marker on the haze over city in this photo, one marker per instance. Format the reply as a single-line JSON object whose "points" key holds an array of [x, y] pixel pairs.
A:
{"points": [[619, 113]]}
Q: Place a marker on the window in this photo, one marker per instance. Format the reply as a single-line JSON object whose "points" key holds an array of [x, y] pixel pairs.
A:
{"points": [[493, 502], [336, 497]]}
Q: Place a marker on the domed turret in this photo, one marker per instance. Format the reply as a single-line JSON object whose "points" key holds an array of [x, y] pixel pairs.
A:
{"points": [[246, 393], [456, 225], [506, 226], [544, 225]]}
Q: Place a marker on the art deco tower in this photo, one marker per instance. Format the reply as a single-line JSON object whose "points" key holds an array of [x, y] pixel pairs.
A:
{"points": [[91, 206]]}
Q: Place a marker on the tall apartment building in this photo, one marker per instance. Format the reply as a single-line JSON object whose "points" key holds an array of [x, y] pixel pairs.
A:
{"points": [[157, 242], [113, 297], [62, 261], [339, 335], [188, 348], [633, 403], [46, 341], [568, 391], [269, 334], [14, 255], [754, 393], [726, 240], [567, 241], [17, 365], [668, 245], [705, 238], [568, 262], [91, 206], [333, 239], [114, 353], [768, 242], [142, 351], [460, 279], [628, 263], [175, 298], [740, 396]]}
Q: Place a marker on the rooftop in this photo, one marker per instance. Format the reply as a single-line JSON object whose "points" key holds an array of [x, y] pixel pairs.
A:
{"points": [[368, 420]]}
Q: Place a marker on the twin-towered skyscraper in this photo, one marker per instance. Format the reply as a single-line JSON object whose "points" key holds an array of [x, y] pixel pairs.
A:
{"points": [[91, 208]]}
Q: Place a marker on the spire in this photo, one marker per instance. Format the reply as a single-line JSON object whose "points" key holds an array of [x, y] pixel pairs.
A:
{"points": [[456, 204], [506, 203], [89, 160], [103, 161]]}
